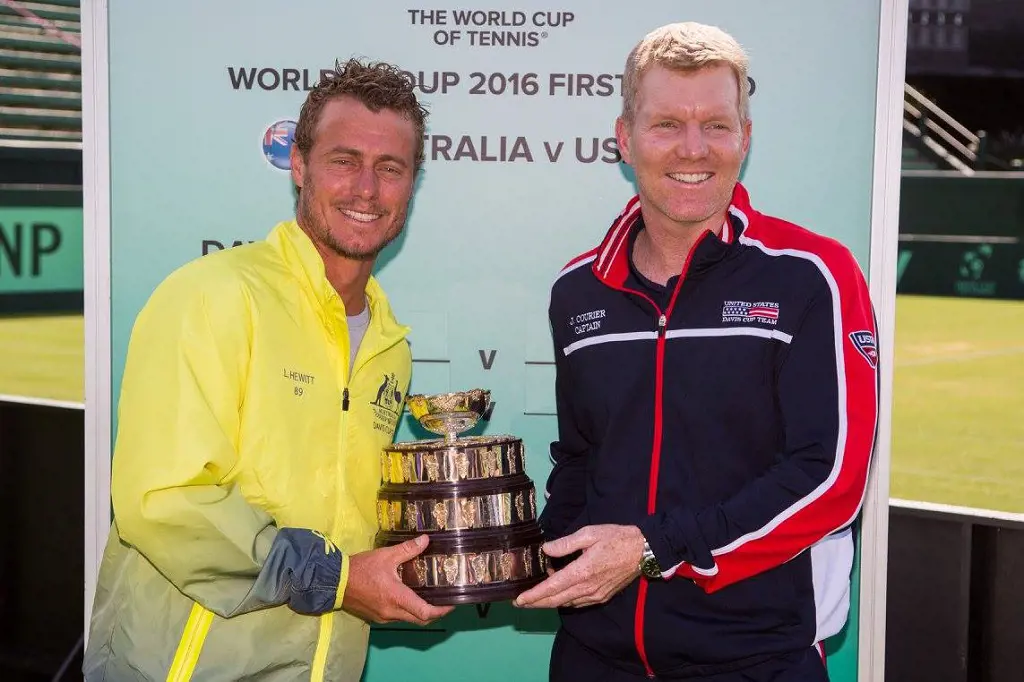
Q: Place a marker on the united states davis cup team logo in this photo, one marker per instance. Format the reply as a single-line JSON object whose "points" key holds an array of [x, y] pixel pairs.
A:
{"points": [[277, 144]]}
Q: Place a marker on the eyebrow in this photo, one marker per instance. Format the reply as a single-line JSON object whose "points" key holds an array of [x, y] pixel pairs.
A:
{"points": [[706, 113], [355, 152]]}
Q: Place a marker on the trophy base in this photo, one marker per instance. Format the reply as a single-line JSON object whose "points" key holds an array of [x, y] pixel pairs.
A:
{"points": [[476, 566], [480, 594]]}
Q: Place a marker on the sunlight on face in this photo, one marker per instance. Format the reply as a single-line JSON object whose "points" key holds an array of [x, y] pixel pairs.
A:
{"points": [[358, 178], [686, 143]]}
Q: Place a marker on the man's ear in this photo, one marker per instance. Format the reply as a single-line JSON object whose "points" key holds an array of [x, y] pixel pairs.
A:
{"points": [[298, 166], [623, 140]]}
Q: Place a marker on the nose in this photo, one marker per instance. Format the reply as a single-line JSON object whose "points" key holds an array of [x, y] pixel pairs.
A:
{"points": [[366, 183], [692, 144]]}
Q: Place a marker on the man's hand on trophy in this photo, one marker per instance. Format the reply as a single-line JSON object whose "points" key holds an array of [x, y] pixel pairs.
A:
{"points": [[610, 561], [375, 593]]}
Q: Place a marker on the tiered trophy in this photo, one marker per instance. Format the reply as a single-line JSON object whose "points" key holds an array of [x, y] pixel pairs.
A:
{"points": [[471, 496]]}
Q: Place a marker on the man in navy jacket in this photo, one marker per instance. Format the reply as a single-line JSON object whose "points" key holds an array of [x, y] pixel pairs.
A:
{"points": [[717, 402]]}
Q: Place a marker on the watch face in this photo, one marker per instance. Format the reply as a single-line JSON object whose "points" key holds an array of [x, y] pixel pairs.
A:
{"points": [[649, 567]]}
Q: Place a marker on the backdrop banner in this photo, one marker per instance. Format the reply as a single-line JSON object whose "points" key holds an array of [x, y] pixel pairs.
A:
{"points": [[984, 267], [40, 255], [522, 174]]}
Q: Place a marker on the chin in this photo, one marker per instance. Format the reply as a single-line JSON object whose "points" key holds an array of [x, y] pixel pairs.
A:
{"points": [[359, 251], [363, 250], [688, 214]]}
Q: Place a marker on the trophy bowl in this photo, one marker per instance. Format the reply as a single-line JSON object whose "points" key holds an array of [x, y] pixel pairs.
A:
{"points": [[473, 499], [449, 414]]}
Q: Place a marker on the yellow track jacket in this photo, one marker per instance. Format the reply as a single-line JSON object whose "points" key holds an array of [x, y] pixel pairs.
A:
{"points": [[245, 472]]}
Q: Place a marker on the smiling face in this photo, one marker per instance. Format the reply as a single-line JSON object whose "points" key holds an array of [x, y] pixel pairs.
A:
{"points": [[686, 143], [356, 180]]}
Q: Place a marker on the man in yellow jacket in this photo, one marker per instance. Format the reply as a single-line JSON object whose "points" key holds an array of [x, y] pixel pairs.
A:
{"points": [[260, 385]]}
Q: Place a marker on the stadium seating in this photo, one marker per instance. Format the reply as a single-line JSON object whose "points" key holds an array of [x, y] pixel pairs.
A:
{"points": [[40, 73]]}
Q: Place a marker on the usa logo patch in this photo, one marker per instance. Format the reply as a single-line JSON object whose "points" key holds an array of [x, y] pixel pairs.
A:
{"points": [[864, 342], [745, 311]]}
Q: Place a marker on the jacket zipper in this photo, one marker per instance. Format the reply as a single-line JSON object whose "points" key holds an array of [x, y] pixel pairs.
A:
{"points": [[652, 486], [327, 620], [641, 600], [319, 664]]}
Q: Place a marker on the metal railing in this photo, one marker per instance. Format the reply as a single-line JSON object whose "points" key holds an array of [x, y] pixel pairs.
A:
{"points": [[939, 135], [944, 140]]}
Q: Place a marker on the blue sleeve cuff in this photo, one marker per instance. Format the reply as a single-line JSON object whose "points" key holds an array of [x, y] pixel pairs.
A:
{"points": [[652, 528], [302, 570], [675, 538]]}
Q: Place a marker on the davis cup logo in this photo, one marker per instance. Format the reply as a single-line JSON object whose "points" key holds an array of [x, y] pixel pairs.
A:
{"points": [[277, 144]]}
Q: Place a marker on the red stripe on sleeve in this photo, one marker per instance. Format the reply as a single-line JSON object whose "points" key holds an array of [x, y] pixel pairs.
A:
{"points": [[837, 501]]}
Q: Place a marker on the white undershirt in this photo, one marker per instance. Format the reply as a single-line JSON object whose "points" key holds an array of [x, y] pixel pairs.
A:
{"points": [[357, 325]]}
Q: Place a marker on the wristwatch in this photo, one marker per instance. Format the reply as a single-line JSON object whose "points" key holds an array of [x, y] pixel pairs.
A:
{"points": [[649, 563]]}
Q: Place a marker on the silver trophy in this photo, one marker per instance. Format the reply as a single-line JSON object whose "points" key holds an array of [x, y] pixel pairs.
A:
{"points": [[471, 495]]}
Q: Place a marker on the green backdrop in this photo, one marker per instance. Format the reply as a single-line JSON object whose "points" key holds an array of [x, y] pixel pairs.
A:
{"points": [[520, 177]]}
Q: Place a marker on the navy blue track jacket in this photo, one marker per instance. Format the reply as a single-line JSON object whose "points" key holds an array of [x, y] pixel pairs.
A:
{"points": [[733, 422]]}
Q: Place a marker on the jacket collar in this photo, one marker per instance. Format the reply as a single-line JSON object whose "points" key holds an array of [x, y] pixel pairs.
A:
{"points": [[305, 262], [611, 264]]}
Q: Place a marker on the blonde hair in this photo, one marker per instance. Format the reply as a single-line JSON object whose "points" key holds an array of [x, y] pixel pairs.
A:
{"points": [[686, 46]]}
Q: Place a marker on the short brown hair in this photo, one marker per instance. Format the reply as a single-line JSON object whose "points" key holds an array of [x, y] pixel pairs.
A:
{"points": [[687, 46], [376, 84]]}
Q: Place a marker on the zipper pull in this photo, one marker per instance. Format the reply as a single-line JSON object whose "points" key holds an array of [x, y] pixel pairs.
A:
{"points": [[662, 323], [344, 400]]}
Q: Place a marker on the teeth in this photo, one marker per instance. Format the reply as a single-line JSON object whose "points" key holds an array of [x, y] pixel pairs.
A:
{"points": [[362, 217], [690, 178]]}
